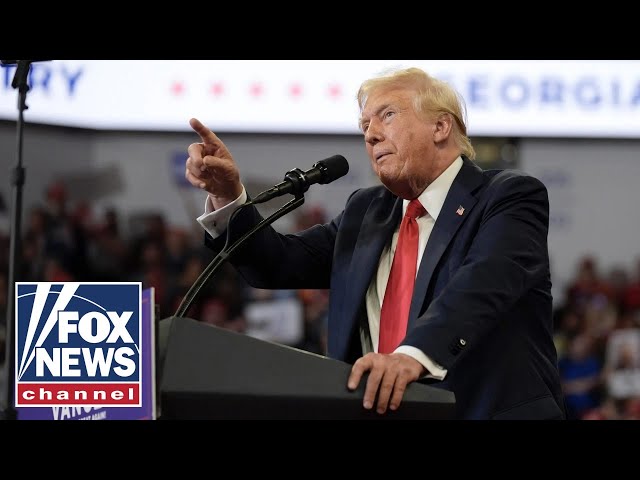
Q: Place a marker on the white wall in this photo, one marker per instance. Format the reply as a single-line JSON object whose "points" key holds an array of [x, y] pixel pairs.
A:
{"points": [[47, 153], [150, 183], [594, 195]]}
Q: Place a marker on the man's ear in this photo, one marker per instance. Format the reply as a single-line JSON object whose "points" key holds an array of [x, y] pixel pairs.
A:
{"points": [[443, 127]]}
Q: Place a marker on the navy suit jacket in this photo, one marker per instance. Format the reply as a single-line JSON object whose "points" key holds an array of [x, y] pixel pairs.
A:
{"points": [[482, 305]]}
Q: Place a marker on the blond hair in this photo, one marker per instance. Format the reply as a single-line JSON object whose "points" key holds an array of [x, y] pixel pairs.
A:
{"points": [[433, 98]]}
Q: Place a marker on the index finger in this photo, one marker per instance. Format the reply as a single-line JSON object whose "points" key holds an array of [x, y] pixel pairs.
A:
{"points": [[361, 366], [205, 133]]}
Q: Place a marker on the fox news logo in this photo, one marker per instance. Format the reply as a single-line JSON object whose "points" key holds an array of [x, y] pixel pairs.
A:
{"points": [[78, 344]]}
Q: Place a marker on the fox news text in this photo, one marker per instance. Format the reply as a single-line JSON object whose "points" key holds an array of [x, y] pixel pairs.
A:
{"points": [[78, 344]]}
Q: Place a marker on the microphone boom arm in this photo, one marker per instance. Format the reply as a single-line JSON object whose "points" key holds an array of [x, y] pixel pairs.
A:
{"points": [[227, 250]]}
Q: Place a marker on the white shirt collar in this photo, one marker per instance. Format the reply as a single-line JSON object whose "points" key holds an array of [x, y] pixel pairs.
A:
{"points": [[433, 197]]}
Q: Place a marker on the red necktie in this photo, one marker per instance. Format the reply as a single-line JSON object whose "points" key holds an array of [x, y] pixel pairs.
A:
{"points": [[397, 297]]}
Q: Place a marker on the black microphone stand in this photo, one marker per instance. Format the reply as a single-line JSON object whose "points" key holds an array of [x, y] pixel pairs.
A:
{"points": [[7, 409], [227, 250]]}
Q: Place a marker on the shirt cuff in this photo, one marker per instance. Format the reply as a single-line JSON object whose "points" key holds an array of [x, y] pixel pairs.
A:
{"points": [[434, 370], [215, 221]]}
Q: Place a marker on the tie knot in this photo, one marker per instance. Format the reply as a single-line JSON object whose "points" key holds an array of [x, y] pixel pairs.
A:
{"points": [[415, 209]]}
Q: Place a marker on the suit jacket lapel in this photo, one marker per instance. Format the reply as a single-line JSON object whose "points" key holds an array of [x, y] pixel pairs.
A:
{"points": [[446, 226], [378, 225]]}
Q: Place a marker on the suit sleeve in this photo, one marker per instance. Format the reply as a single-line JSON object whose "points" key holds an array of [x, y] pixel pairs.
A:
{"points": [[507, 259], [272, 260]]}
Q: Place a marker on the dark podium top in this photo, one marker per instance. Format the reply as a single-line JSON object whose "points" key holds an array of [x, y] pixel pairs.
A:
{"points": [[206, 372]]}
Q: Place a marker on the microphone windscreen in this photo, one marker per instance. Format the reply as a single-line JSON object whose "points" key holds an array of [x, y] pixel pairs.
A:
{"points": [[336, 167]]}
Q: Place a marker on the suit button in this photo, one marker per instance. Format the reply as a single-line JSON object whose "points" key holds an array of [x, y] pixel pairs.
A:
{"points": [[462, 342]]}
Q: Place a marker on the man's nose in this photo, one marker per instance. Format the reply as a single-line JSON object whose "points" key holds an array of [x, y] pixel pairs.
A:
{"points": [[373, 134]]}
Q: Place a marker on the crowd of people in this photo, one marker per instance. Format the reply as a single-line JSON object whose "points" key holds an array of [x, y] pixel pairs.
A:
{"points": [[64, 241], [598, 342]]}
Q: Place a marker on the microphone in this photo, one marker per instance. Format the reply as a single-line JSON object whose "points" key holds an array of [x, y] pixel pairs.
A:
{"points": [[297, 182]]}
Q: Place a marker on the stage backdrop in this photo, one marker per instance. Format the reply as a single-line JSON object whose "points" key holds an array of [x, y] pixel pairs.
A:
{"points": [[537, 98]]}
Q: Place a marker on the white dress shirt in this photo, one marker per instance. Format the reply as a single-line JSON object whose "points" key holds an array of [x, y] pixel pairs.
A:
{"points": [[432, 199]]}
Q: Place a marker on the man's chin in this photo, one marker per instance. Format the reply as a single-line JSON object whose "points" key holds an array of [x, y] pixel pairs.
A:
{"points": [[398, 186], [393, 185]]}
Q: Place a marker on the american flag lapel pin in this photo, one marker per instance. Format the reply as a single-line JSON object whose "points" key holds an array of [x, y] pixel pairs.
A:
{"points": [[460, 210]]}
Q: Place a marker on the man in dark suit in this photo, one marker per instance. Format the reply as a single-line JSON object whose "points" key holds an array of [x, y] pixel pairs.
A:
{"points": [[439, 275]]}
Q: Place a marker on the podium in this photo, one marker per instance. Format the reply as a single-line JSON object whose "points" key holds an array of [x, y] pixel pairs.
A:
{"points": [[208, 373]]}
